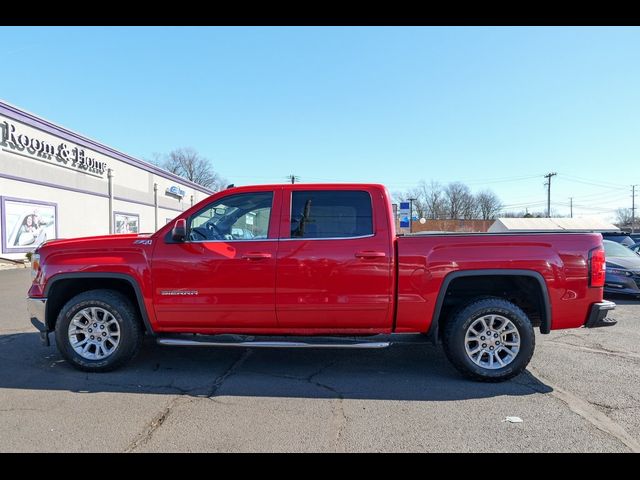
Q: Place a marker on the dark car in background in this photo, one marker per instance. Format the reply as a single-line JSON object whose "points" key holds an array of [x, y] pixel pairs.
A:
{"points": [[622, 269], [621, 237]]}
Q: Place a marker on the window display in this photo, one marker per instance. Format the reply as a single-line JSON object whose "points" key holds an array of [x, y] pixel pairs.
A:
{"points": [[126, 222], [26, 224]]}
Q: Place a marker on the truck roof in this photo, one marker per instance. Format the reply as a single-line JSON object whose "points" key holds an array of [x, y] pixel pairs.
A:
{"points": [[310, 185]]}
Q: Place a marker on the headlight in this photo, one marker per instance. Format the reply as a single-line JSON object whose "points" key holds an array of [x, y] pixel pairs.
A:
{"points": [[619, 271], [35, 265]]}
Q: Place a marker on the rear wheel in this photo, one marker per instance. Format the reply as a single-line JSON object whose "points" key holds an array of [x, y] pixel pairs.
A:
{"points": [[98, 331], [489, 339]]}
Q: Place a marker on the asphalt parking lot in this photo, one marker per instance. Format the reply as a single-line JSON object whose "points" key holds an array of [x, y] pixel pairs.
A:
{"points": [[581, 393]]}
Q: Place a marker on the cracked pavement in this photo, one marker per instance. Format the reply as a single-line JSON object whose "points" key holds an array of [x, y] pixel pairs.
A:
{"points": [[580, 394]]}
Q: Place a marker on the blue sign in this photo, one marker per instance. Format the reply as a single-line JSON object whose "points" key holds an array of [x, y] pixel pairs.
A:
{"points": [[404, 214]]}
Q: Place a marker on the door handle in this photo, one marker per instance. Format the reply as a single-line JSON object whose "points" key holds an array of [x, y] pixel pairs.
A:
{"points": [[256, 256], [370, 254]]}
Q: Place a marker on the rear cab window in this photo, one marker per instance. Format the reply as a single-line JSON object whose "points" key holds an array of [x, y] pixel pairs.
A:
{"points": [[331, 214]]}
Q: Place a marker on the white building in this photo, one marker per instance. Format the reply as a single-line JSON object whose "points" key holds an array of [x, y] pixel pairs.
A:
{"points": [[55, 183], [592, 224]]}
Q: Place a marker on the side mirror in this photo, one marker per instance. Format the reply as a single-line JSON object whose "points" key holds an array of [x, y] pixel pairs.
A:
{"points": [[179, 232]]}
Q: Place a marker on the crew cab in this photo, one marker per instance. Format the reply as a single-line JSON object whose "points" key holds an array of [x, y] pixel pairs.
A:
{"points": [[314, 266]]}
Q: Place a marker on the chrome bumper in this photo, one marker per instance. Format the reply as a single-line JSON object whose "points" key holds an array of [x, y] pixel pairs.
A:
{"points": [[36, 308]]}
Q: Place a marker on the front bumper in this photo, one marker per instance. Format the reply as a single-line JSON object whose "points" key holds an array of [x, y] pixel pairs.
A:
{"points": [[37, 308], [622, 284], [598, 314], [612, 289]]}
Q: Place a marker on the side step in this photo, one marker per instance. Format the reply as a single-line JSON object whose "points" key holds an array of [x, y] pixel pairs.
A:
{"points": [[273, 342]]}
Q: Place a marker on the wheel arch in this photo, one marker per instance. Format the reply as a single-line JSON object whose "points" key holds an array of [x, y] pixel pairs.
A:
{"points": [[75, 283], [533, 276]]}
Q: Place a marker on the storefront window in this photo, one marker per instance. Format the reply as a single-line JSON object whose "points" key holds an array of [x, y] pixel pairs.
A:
{"points": [[126, 222]]}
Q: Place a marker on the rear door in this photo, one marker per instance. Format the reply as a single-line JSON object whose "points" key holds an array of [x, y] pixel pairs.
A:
{"points": [[334, 261]]}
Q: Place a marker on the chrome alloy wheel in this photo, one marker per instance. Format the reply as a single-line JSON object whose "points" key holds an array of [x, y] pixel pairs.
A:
{"points": [[492, 341], [94, 333]]}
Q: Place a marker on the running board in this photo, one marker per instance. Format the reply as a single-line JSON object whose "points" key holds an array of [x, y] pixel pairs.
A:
{"points": [[191, 342]]}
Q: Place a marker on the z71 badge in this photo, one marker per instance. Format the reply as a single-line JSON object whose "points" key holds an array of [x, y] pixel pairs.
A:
{"points": [[142, 242]]}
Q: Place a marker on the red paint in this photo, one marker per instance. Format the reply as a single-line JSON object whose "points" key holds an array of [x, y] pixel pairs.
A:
{"points": [[322, 284], [280, 285], [561, 259]]}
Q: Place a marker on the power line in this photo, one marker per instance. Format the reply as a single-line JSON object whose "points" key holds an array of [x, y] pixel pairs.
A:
{"points": [[474, 181], [589, 180], [585, 207], [524, 204], [602, 197], [489, 182]]}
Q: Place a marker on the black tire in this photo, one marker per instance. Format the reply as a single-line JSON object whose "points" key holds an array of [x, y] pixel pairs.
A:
{"points": [[131, 331], [454, 339]]}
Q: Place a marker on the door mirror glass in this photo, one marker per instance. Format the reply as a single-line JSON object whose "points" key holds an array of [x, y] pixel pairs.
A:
{"points": [[179, 232]]}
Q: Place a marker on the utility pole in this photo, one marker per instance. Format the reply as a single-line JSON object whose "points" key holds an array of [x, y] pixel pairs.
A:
{"points": [[293, 178], [548, 184], [411, 214], [633, 206], [571, 206]]}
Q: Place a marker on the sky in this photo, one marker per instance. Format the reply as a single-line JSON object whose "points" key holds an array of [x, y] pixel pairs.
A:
{"points": [[493, 107]]}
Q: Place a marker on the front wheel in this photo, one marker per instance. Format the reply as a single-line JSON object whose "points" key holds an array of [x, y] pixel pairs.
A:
{"points": [[98, 331], [489, 340]]}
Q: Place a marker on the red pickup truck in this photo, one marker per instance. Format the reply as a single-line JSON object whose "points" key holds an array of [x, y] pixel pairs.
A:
{"points": [[314, 266]]}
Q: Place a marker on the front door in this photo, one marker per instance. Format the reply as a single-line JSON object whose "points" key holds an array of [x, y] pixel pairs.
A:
{"points": [[222, 278], [334, 262]]}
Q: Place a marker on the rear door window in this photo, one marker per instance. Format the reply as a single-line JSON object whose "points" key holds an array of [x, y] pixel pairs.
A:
{"points": [[331, 214]]}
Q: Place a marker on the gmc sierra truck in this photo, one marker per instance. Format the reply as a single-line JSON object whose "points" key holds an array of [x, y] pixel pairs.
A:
{"points": [[314, 266]]}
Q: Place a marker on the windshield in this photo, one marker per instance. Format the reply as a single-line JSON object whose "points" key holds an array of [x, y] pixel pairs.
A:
{"points": [[613, 249]]}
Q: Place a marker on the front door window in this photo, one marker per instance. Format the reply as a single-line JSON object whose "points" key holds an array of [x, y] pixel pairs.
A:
{"points": [[237, 217]]}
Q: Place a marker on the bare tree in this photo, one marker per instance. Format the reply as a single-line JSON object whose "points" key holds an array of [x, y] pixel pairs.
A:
{"points": [[419, 206], [457, 200], [470, 208], [623, 217], [433, 198], [428, 200], [189, 164], [514, 214], [488, 204]]}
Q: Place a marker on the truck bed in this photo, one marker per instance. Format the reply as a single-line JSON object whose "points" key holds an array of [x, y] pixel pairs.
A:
{"points": [[558, 260]]}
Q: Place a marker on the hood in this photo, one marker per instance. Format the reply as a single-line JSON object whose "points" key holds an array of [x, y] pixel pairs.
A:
{"points": [[98, 241], [629, 263]]}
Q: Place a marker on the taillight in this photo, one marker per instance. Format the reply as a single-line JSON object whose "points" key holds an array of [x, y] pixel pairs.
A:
{"points": [[597, 267]]}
